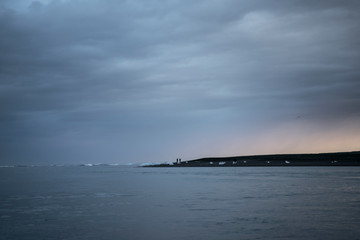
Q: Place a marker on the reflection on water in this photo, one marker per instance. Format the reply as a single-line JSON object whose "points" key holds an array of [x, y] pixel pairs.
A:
{"points": [[117, 202]]}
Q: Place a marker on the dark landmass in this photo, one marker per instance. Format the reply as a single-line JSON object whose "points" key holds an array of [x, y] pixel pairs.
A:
{"points": [[320, 159]]}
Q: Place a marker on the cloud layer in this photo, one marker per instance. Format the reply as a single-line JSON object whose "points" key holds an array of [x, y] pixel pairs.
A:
{"points": [[134, 81]]}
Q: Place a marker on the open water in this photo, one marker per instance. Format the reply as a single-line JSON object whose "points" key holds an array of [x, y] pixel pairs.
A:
{"points": [[117, 202]]}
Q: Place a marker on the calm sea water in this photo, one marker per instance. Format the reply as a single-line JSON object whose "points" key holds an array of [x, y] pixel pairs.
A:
{"points": [[115, 202]]}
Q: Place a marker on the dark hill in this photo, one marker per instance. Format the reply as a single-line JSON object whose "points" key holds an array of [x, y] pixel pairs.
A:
{"points": [[320, 159]]}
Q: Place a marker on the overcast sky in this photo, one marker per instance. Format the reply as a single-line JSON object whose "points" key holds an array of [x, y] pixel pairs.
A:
{"points": [[110, 81]]}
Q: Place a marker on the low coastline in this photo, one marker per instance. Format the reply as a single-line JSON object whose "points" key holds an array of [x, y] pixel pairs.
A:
{"points": [[276, 160]]}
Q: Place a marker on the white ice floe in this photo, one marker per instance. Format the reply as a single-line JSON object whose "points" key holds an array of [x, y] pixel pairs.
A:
{"points": [[148, 164], [287, 162], [94, 164], [154, 164], [87, 164], [211, 163], [222, 163]]}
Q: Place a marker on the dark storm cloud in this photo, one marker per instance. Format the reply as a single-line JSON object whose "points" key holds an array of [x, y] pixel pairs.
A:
{"points": [[129, 79]]}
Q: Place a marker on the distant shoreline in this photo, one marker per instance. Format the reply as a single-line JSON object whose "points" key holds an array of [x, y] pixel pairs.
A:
{"points": [[275, 160]]}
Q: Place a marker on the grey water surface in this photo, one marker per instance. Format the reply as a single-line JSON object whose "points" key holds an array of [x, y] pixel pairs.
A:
{"points": [[118, 202]]}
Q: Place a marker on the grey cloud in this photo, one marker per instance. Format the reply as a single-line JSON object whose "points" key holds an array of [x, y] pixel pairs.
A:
{"points": [[151, 70]]}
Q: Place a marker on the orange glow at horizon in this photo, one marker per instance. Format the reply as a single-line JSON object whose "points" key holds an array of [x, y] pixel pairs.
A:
{"points": [[291, 138]]}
